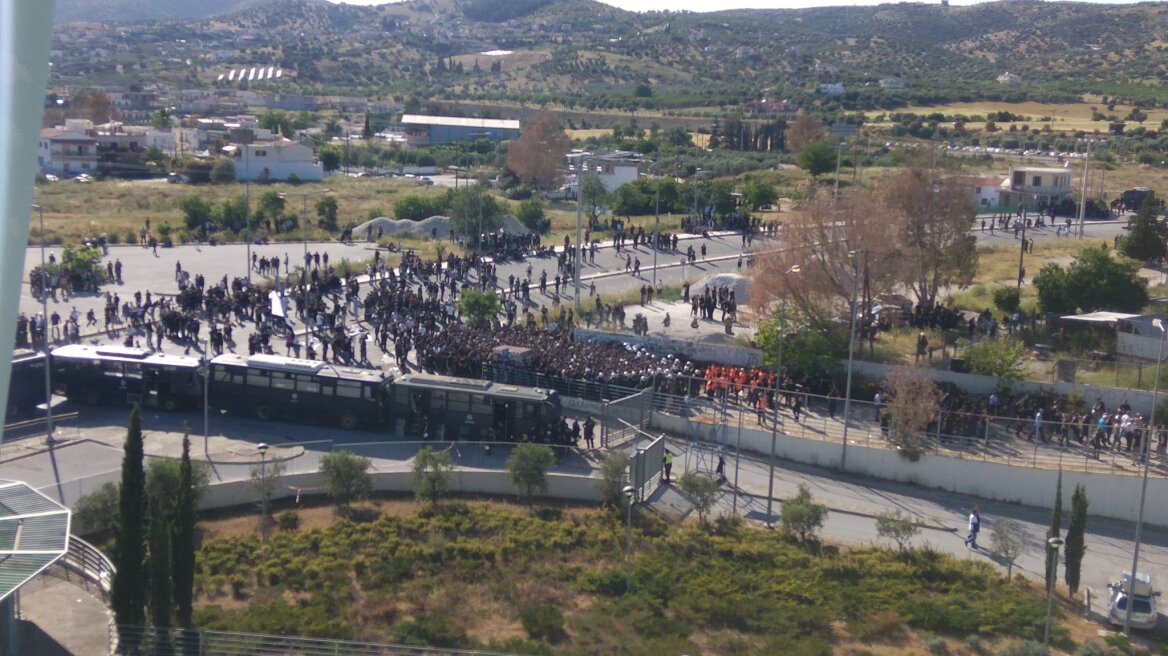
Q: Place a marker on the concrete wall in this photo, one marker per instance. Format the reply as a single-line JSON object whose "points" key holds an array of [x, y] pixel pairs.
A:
{"points": [[569, 487], [1111, 495]]}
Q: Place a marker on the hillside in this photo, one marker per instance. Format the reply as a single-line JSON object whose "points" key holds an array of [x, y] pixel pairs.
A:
{"points": [[580, 53]]}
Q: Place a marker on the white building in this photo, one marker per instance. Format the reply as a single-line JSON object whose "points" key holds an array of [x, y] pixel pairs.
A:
{"points": [[1034, 187], [830, 88], [984, 192], [68, 150], [614, 169], [265, 161]]}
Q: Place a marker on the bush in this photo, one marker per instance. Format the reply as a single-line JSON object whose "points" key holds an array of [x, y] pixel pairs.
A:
{"points": [[936, 646], [289, 520], [614, 476], [94, 512], [800, 517], [346, 478], [543, 622], [428, 630], [1007, 299], [1025, 648], [1096, 648]]}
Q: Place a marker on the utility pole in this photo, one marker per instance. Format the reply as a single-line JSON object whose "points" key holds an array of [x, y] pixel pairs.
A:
{"points": [[579, 215]]}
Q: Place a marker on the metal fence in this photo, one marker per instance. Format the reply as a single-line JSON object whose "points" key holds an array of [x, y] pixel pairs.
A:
{"points": [[149, 641], [976, 436], [86, 566]]}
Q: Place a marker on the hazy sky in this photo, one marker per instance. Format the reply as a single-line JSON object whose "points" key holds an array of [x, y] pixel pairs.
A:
{"points": [[718, 5]]}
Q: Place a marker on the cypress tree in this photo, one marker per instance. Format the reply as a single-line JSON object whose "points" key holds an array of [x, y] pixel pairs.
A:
{"points": [[160, 599], [183, 544], [1056, 521], [128, 594], [1076, 546]]}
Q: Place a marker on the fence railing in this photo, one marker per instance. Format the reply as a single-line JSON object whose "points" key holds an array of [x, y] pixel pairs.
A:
{"points": [[151, 641], [1017, 441], [86, 565]]}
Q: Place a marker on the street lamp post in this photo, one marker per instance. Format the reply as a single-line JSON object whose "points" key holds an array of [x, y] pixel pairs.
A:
{"points": [[656, 232], [1083, 194], [1054, 544], [45, 328], [247, 210], [304, 233], [851, 355], [1144, 484], [263, 449], [778, 389], [630, 494], [579, 233]]}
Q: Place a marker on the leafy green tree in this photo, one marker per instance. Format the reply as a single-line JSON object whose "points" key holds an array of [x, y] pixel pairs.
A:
{"points": [[183, 543], [530, 213], [628, 200], [79, 261], [1000, 358], [1093, 281], [897, 526], [431, 474], [326, 212], [1056, 521], [346, 478], [474, 211], [801, 517], [330, 159], [417, 207], [162, 120], [154, 154], [196, 211], [758, 193], [702, 492], [528, 466], [160, 561], [1147, 239], [817, 158], [128, 593], [95, 512], [197, 171], [614, 476], [1007, 298], [233, 214], [223, 172], [277, 121], [1076, 545], [593, 195], [479, 308], [269, 205], [1008, 541], [811, 344]]}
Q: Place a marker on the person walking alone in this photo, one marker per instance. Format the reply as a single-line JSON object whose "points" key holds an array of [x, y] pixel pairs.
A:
{"points": [[974, 527]]}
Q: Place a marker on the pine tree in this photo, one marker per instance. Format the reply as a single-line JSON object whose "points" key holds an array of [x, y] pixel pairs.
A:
{"points": [[1056, 520], [1076, 546], [128, 594], [183, 543]]}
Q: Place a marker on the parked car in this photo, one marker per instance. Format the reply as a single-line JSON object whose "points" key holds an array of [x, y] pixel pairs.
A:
{"points": [[1143, 599]]}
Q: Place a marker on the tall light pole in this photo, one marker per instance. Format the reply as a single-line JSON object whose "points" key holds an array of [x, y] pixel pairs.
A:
{"points": [[630, 493], [778, 388], [851, 355], [263, 449], [304, 233], [656, 232], [1083, 194], [247, 210], [839, 146], [1054, 544], [579, 214], [45, 327], [1144, 484]]}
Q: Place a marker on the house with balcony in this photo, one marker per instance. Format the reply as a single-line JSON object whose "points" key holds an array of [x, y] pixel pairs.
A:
{"points": [[1035, 187], [68, 150], [614, 169]]}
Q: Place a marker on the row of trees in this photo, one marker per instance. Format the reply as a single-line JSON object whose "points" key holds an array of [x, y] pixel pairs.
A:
{"points": [[235, 215]]}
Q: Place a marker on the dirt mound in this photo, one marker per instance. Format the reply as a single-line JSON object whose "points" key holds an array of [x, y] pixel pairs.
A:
{"points": [[740, 285], [435, 226]]}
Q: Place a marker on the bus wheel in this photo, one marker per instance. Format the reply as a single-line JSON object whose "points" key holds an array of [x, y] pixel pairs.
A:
{"points": [[263, 412], [348, 421], [170, 405], [91, 398]]}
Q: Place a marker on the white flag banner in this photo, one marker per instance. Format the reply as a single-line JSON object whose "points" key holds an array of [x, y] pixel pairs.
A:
{"points": [[277, 304]]}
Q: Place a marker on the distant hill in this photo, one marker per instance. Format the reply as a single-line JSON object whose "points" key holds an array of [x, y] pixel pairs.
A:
{"points": [[587, 55], [127, 11]]}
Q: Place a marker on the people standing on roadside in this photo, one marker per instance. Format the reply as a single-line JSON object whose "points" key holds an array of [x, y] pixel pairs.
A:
{"points": [[974, 527]]}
